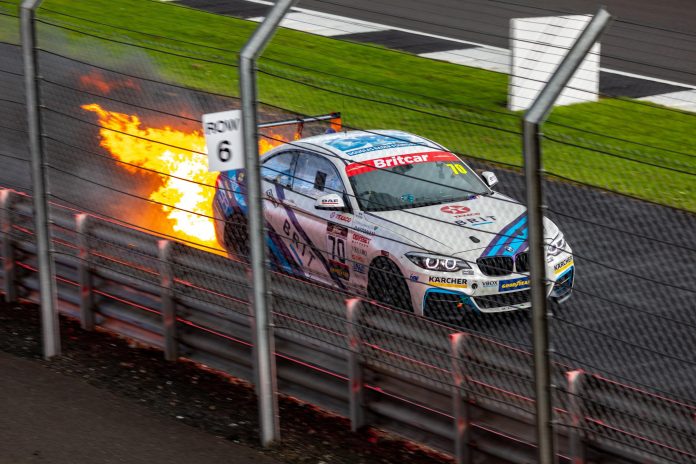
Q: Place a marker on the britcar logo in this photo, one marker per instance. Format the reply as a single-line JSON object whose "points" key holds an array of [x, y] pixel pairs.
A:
{"points": [[513, 284], [362, 167]]}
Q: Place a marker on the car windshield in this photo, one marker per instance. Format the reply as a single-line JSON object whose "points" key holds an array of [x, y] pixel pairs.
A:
{"points": [[412, 181]]}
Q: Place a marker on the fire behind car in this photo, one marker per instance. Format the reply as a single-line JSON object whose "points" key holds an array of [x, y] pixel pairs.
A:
{"points": [[395, 217]]}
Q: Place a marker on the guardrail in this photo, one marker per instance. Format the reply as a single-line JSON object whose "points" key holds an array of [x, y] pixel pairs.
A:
{"points": [[459, 392]]}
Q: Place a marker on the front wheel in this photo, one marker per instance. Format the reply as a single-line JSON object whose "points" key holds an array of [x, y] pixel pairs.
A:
{"points": [[387, 285]]}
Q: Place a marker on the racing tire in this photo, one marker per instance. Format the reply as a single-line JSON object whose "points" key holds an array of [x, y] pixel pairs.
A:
{"points": [[386, 285], [237, 237]]}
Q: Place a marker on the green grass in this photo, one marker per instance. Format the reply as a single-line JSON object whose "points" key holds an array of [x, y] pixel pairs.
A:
{"points": [[625, 146]]}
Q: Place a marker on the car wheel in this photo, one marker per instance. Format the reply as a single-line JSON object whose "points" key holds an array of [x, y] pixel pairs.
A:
{"points": [[387, 285], [237, 237]]}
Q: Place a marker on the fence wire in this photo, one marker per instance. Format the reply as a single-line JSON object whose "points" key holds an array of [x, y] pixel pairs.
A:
{"points": [[426, 235]]}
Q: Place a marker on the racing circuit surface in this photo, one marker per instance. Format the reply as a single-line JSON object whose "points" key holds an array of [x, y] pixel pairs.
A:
{"points": [[631, 316], [666, 53]]}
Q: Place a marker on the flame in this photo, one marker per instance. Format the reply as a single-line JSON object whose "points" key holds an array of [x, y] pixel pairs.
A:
{"points": [[187, 189], [96, 80]]}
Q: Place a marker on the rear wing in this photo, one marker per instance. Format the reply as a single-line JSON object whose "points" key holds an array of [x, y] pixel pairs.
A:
{"points": [[334, 119]]}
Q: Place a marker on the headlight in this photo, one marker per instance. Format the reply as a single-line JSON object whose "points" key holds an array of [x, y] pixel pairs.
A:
{"points": [[437, 262], [557, 245]]}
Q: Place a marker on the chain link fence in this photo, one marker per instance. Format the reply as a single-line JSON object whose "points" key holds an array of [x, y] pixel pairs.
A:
{"points": [[392, 202]]}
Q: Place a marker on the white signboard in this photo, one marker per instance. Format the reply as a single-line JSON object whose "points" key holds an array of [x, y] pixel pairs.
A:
{"points": [[538, 45], [223, 138]]}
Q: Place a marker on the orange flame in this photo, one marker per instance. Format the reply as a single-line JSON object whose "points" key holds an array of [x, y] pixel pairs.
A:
{"points": [[187, 189], [96, 80]]}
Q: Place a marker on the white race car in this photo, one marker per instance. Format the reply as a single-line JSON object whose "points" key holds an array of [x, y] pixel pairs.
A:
{"points": [[395, 217]]}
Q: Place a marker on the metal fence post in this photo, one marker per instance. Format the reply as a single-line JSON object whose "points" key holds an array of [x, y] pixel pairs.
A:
{"points": [[460, 402], [85, 273], [8, 251], [576, 441], [534, 116], [171, 347], [263, 346], [47, 275], [356, 389]]}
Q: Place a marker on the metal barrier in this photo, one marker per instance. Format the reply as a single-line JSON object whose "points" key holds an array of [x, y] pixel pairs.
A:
{"points": [[456, 391]]}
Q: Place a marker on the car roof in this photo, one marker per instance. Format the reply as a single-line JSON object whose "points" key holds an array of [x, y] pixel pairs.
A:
{"points": [[360, 145]]}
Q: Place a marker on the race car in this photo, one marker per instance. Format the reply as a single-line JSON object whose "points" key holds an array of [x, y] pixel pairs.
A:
{"points": [[394, 217]]}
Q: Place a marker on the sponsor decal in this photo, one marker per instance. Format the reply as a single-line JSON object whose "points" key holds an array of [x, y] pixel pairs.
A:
{"points": [[361, 239], [451, 282], [372, 142], [362, 167], [329, 201], [339, 270], [563, 265], [335, 229], [455, 209], [513, 284], [358, 259], [384, 253], [489, 283], [364, 230], [475, 221], [413, 278], [358, 251], [360, 268], [341, 217]]}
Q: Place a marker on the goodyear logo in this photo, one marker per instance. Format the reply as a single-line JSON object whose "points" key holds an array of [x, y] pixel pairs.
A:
{"points": [[563, 265], [451, 282], [513, 284]]}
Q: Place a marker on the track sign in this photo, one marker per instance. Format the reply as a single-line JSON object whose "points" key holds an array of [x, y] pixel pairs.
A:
{"points": [[223, 137]]}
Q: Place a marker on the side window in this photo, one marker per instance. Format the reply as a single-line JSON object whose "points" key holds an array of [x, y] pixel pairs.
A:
{"points": [[279, 168], [316, 176]]}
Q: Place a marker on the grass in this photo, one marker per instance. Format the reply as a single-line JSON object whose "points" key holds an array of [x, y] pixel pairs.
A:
{"points": [[626, 146]]}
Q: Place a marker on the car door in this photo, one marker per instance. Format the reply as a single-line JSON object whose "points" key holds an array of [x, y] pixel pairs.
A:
{"points": [[277, 173], [326, 231]]}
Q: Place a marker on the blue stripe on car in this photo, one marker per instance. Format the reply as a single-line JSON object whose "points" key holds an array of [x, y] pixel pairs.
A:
{"points": [[506, 236]]}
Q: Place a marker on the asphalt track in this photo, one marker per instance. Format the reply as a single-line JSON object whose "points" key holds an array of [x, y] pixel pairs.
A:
{"points": [[631, 316], [49, 417], [664, 50]]}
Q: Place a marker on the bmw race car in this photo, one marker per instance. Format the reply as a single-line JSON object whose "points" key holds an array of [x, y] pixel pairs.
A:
{"points": [[395, 217]]}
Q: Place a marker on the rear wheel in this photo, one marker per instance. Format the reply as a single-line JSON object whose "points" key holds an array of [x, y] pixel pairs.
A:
{"points": [[237, 237], [387, 285]]}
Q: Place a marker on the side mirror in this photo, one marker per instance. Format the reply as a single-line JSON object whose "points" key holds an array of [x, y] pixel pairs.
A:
{"points": [[489, 178], [331, 202]]}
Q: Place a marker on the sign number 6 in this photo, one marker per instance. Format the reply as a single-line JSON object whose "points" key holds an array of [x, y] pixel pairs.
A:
{"points": [[223, 150], [223, 140]]}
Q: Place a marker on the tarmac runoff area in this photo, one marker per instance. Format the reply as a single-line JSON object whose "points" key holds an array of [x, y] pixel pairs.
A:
{"points": [[48, 417]]}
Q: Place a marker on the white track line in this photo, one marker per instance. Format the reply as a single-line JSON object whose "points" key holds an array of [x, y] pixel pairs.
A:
{"points": [[455, 51]]}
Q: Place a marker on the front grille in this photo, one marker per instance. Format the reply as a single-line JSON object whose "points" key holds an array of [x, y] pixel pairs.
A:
{"points": [[495, 265], [522, 262], [503, 299]]}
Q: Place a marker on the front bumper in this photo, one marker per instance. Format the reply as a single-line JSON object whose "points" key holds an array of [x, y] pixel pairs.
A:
{"points": [[487, 295]]}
